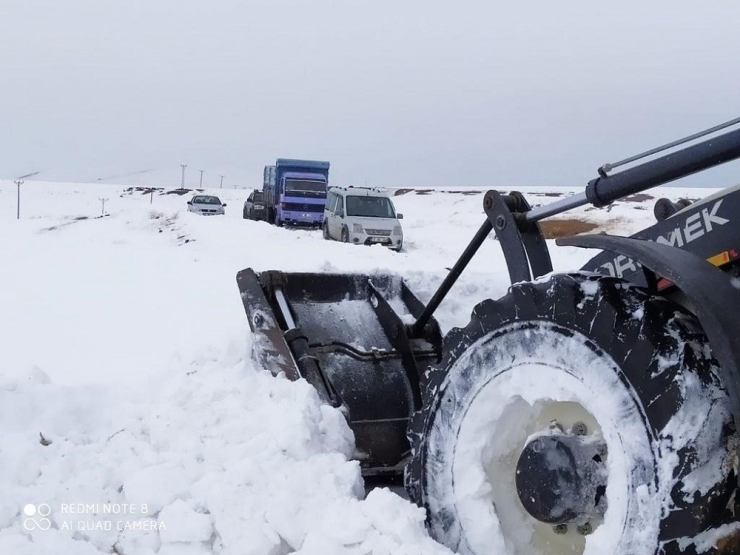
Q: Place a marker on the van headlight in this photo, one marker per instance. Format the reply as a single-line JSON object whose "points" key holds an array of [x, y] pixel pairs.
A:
{"points": [[397, 230], [356, 228]]}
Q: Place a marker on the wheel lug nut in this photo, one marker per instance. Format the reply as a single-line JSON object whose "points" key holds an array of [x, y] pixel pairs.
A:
{"points": [[560, 528], [584, 529], [579, 429]]}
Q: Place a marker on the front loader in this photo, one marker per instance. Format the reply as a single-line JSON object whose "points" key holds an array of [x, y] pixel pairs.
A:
{"points": [[592, 411]]}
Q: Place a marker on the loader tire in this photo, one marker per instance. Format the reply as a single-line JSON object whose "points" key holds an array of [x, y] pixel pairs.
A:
{"points": [[588, 370]]}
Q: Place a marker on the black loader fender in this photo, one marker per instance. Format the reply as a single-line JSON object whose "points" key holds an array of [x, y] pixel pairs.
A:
{"points": [[714, 294]]}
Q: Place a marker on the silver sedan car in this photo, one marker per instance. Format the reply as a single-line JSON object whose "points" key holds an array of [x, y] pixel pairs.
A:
{"points": [[206, 205]]}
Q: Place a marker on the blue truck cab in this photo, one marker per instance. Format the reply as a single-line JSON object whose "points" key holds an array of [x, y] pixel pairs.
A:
{"points": [[295, 191]]}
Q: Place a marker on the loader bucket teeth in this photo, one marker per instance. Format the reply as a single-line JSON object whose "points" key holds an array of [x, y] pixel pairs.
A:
{"points": [[346, 336]]}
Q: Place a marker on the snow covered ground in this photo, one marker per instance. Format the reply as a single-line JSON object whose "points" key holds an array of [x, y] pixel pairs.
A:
{"points": [[132, 417]]}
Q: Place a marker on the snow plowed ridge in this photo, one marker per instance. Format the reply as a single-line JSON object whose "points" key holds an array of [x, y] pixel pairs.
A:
{"points": [[127, 380]]}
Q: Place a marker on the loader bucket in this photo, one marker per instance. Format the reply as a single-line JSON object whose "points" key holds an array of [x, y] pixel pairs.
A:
{"points": [[344, 334]]}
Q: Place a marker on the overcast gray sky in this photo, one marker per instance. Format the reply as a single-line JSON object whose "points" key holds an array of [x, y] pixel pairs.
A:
{"points": [[396, 93]]}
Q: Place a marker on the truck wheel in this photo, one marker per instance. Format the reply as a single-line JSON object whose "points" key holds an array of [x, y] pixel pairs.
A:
{"points": [[345, 235], [325, 229], [575, 415], [279, 222]]}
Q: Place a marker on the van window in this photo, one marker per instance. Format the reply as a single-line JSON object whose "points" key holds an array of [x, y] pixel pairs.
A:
{"points": [[370, 207], [331, 202], [339, 208]]}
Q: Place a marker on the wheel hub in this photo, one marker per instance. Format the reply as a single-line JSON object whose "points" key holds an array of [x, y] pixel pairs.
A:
{"points": [[561, 479]]}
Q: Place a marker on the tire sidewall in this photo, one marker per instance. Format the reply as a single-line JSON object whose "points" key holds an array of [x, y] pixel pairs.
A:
{"points": [[466, 385], [657, 357]]}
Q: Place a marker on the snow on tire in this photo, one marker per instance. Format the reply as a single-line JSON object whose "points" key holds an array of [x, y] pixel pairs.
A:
{"points": [[574, 354]]}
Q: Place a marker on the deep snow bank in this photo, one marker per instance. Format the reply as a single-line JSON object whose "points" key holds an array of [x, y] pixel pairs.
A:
{"points": [[126, 347]]}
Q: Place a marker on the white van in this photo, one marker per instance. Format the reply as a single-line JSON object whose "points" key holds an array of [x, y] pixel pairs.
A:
{"points": [[362, 216]]}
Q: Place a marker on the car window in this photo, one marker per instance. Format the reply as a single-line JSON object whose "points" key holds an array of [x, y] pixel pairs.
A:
{"points": [[206, 200], [258, 196], [250, 198], [339, 209], [331, 201]]}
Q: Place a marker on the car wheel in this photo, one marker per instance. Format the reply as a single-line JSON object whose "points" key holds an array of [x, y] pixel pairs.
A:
{"points": [[345, 235], [326, 230]]}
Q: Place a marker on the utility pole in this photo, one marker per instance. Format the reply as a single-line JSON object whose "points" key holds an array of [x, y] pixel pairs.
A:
{"points": [[19, 181], [222, 181], [201, 179], [182, 183], [102, 211], [18, 203]]}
